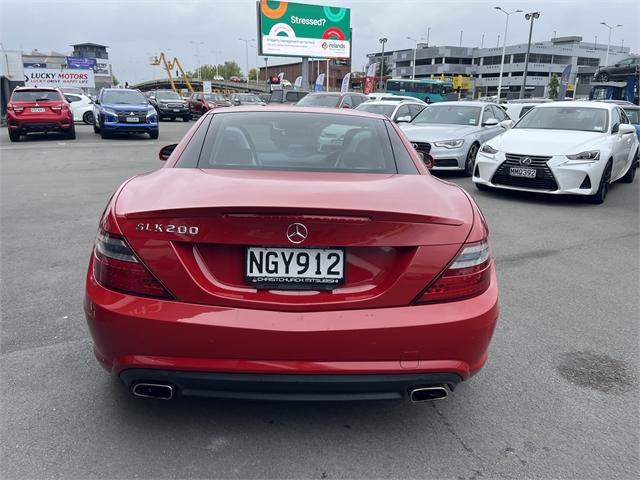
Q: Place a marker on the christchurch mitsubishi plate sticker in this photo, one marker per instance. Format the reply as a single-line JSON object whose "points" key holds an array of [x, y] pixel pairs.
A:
{"points": [[294, 29]]}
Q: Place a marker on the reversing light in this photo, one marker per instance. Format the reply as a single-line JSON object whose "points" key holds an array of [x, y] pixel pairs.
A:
{"points": [[116, 267], [468, 276]]}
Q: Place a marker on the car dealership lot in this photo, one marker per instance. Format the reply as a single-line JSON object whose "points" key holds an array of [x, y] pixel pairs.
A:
{"points": [[558, 397]]}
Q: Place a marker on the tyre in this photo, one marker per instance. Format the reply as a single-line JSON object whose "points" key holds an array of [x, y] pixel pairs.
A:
{"points": [[105, 134], [471, 160], [153, 134], [173, 119], [14, 136], [603, 77], [631, 173], [88, 118], [603, 187], [482, 187], [186, 118], [71, 133]]}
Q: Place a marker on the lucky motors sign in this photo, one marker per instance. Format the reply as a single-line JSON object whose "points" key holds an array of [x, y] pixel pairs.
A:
{"points": [[55, 77], [299, 30]]}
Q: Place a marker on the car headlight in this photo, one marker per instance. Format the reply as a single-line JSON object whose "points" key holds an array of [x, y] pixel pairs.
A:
{"points": [[588, 156], [151, 111], [488, 150], [449, 143], [110, 111]]}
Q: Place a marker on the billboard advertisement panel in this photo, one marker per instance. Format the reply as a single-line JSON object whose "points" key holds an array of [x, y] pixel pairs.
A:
{"points": [[82, 63], [301, 30], [55, 77]]}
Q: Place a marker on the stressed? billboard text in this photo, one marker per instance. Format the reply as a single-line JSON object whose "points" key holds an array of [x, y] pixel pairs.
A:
{"points": [[300, 30]]}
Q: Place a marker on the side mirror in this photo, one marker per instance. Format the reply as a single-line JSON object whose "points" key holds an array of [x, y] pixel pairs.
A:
{"points": [[625, 129], [96, 101], [404, 119], [166, 151], [506, 124], [346, 106], [236, 101], [152, 97], [427, 159], [491, 122]]}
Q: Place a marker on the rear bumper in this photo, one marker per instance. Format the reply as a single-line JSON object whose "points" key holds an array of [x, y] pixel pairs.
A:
{"points": [[290, 387], [39, 126], [132, 332]]}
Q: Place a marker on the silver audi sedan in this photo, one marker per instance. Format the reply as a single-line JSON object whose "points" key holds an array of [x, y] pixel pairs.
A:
{"points": [[452, 132]]}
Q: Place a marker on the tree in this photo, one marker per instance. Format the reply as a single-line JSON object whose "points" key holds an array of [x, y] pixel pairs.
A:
{"points": [[552, 88], [114, 80], [253, 74], [207, 72], [387, 69]]}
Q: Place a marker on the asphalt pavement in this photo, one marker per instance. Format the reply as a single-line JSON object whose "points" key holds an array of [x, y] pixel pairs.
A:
{"points": [[557, 399]]}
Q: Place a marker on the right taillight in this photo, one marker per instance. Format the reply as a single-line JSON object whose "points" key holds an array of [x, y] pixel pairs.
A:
{"points": [[467, 276], [116, 267]]}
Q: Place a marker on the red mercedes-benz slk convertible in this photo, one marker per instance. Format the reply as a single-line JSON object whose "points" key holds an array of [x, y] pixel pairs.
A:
{"points": [[292, 253]]}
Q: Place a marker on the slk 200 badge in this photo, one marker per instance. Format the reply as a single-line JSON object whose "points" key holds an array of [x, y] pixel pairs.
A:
{"points": [[166, 228]]}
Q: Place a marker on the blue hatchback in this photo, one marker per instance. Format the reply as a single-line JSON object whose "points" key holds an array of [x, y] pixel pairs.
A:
{"points": [[123, 110]]}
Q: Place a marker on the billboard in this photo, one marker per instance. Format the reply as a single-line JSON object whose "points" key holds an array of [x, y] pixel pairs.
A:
{"points": [[55, 77], [81, 63], [300, 30]]}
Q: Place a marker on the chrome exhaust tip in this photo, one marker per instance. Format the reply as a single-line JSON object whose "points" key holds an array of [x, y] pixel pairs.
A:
{"points": [[153, 390], [426, 394]]}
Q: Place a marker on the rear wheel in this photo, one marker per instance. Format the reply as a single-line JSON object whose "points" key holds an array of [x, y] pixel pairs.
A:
{"points": [[88, 118], [603, 188], [14, 136], [71, 133], [471, 160]]}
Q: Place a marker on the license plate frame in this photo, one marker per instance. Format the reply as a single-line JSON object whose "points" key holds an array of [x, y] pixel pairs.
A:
{"points": [[37, 110], [287, 280], [521, 172], [132, 120], [176, 109]]}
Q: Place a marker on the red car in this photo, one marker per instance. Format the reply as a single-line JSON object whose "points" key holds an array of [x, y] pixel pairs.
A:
{"points": [[200, 103], [41, 110], [264, 262]]}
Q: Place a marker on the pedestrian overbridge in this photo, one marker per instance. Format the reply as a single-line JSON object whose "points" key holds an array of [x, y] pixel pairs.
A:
{"points": [[216, 86]]}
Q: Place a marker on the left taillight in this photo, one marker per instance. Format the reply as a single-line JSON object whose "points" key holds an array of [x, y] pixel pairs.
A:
{"points": [[468, 275], [116, 267], [15, 108]]}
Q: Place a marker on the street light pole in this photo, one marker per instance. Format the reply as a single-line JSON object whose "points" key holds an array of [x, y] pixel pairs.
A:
{"points": [[610, 27], [415, 49], [461, 31], [266, 75], [246, 49], [504, 47], [198, 57], [382, 40], [529, 16], [428, 33]]}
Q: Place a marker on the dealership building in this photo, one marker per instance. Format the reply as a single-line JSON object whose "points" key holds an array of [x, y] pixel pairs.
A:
{"points": [[483, 64]]}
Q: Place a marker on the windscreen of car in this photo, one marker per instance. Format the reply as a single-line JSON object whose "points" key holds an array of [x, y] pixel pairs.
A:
{"points": [[633, 114], [386, 110], [292, 141], [167, 95], [565, 118], [214, 97], [449, 115], [248, 98], [35, 96], [319, 101], [126, 97]]}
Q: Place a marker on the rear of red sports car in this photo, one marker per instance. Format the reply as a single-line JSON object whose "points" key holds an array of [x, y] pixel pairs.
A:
{"points": [[292, 254]]}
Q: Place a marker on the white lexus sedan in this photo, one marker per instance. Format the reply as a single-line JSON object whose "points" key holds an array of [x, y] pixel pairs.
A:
{"points": [[562, 148]]}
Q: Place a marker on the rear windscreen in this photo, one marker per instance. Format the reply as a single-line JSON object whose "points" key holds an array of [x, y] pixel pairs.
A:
{"points": [[36, 96], [297, 142]]}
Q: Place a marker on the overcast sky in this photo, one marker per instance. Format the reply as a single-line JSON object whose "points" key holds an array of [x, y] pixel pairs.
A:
{"points": [[138, 29]]}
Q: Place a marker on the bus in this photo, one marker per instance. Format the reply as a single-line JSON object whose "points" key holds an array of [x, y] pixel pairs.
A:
{"points": [[427, 89]]}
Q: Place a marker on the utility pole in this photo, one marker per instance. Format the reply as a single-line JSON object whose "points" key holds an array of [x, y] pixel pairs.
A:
{"points": [[415, 49], [504, 47], [382, 40], [428, 33], [611, 28], [246, 46], [461, 31], [531, 17], [482, 41]]}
